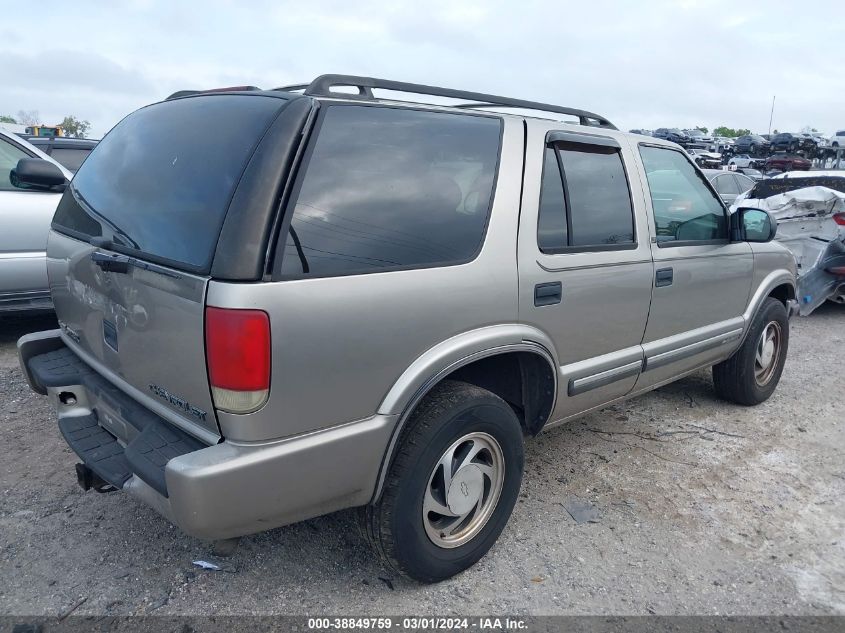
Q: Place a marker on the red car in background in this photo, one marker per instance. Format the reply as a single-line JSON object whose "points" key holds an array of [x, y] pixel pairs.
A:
{"points": [[787, 162]]}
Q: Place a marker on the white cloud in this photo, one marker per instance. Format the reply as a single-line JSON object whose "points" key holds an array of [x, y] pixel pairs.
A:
{"points": [[649, 64]]}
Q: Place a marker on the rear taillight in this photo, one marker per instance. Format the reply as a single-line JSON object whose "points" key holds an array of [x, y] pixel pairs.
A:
{"points": [[237, 348], [839, 218]]}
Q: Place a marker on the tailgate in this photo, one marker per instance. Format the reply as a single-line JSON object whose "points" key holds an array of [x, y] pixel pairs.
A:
{"points": [[142, 329], [135, 235]]}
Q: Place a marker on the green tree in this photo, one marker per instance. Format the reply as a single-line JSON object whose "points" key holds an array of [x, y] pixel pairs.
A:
{"points": [[5, 118], [74, 127], [702, 128], [730, 132]]}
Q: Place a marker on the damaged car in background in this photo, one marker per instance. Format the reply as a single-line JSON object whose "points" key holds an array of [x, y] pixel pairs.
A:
{"points": [[810, 210], [705, 159]]}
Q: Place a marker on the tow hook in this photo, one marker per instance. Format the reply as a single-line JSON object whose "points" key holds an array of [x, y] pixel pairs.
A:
{"points": [[88, 479]]}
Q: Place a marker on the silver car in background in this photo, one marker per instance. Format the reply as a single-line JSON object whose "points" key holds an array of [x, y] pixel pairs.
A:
{"points": [[728, 184], [25, 215]]}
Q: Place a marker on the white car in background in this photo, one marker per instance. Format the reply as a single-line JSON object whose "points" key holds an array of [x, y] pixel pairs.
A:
{"points": [[722, 144], [743, 161], [29, 193], [838, 139]]}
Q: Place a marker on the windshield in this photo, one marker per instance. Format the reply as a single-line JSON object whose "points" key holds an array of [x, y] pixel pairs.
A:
{"points": [[160, 182]]}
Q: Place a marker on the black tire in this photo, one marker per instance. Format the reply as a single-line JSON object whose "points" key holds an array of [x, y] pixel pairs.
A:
{"points": [[395, 525], [735, 379]]}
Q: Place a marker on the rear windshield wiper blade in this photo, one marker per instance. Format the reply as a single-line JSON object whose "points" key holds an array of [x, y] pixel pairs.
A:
{"points": [[112, 263], [120, 264]]}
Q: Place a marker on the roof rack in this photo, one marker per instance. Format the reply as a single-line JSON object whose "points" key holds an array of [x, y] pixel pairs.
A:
{"points": [[322, 87]]}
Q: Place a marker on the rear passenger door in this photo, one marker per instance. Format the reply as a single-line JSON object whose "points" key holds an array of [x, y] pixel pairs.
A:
{"points": [[701, 279], [584, 261]]}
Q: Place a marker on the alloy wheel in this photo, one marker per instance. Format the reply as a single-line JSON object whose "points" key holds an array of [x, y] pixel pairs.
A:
{"points": [[463, 490]]}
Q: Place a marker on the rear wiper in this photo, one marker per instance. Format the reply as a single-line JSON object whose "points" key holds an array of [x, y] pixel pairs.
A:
{"points": [[112, 263], [120, 263]]}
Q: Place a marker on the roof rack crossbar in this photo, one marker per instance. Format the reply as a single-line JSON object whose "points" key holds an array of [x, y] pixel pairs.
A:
{"points": [[584, 117], [322, 87]]}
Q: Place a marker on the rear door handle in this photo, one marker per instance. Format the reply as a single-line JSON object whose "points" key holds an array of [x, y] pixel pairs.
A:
{"points": [[663, 277], [548, 294]]}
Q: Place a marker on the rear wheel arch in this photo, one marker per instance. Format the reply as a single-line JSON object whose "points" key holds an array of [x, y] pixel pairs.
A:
{"points": [[523, 375], [526, 380]]}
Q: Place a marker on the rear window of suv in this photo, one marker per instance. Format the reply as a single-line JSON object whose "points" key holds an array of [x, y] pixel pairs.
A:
{"points": [[160, 182], [387, 188]]}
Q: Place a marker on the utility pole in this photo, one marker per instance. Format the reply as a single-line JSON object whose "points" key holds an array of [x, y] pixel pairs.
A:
{"points": [[772, 114]]}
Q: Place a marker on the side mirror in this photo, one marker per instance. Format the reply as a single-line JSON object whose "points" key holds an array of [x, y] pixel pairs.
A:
{"points": [[37, 173], [752, 225]]}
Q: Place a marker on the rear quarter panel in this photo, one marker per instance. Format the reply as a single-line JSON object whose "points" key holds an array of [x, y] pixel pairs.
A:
{"points": [[341, 343]]}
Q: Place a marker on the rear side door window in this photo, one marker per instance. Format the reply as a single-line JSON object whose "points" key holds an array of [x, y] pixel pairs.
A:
{"points": [[585, 201], [685, 209], [725, 185], [392, 188], [745, 183]]}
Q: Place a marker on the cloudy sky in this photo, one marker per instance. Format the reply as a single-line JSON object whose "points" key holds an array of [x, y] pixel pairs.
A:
{"points": [[646, 64]]}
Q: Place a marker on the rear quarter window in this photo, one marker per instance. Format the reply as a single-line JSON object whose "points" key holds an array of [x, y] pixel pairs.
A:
{"points": [[387, 188]]}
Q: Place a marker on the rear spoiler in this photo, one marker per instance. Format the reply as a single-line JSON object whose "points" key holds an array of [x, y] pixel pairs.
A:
{"points": [[189, 93]]}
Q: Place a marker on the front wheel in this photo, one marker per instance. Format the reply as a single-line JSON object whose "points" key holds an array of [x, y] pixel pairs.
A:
{"points": [[451, 486], [751, 375]]}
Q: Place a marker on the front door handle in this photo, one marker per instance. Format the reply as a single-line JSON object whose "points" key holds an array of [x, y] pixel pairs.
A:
{"points": [[548, 294], [663, 277]]}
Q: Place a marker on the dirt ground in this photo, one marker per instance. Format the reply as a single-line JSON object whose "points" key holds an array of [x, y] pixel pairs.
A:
{"points": [[697, 507]]}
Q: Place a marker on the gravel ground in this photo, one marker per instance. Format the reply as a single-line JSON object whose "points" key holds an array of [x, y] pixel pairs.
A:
{"points": [[699, 507]]}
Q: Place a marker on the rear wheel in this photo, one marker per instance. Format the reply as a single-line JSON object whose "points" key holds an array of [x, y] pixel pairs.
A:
{"points": [[751, 375], [451, 486]]}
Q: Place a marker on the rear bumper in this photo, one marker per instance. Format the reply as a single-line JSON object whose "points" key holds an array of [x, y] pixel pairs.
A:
{"points": [[213, 492]]}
